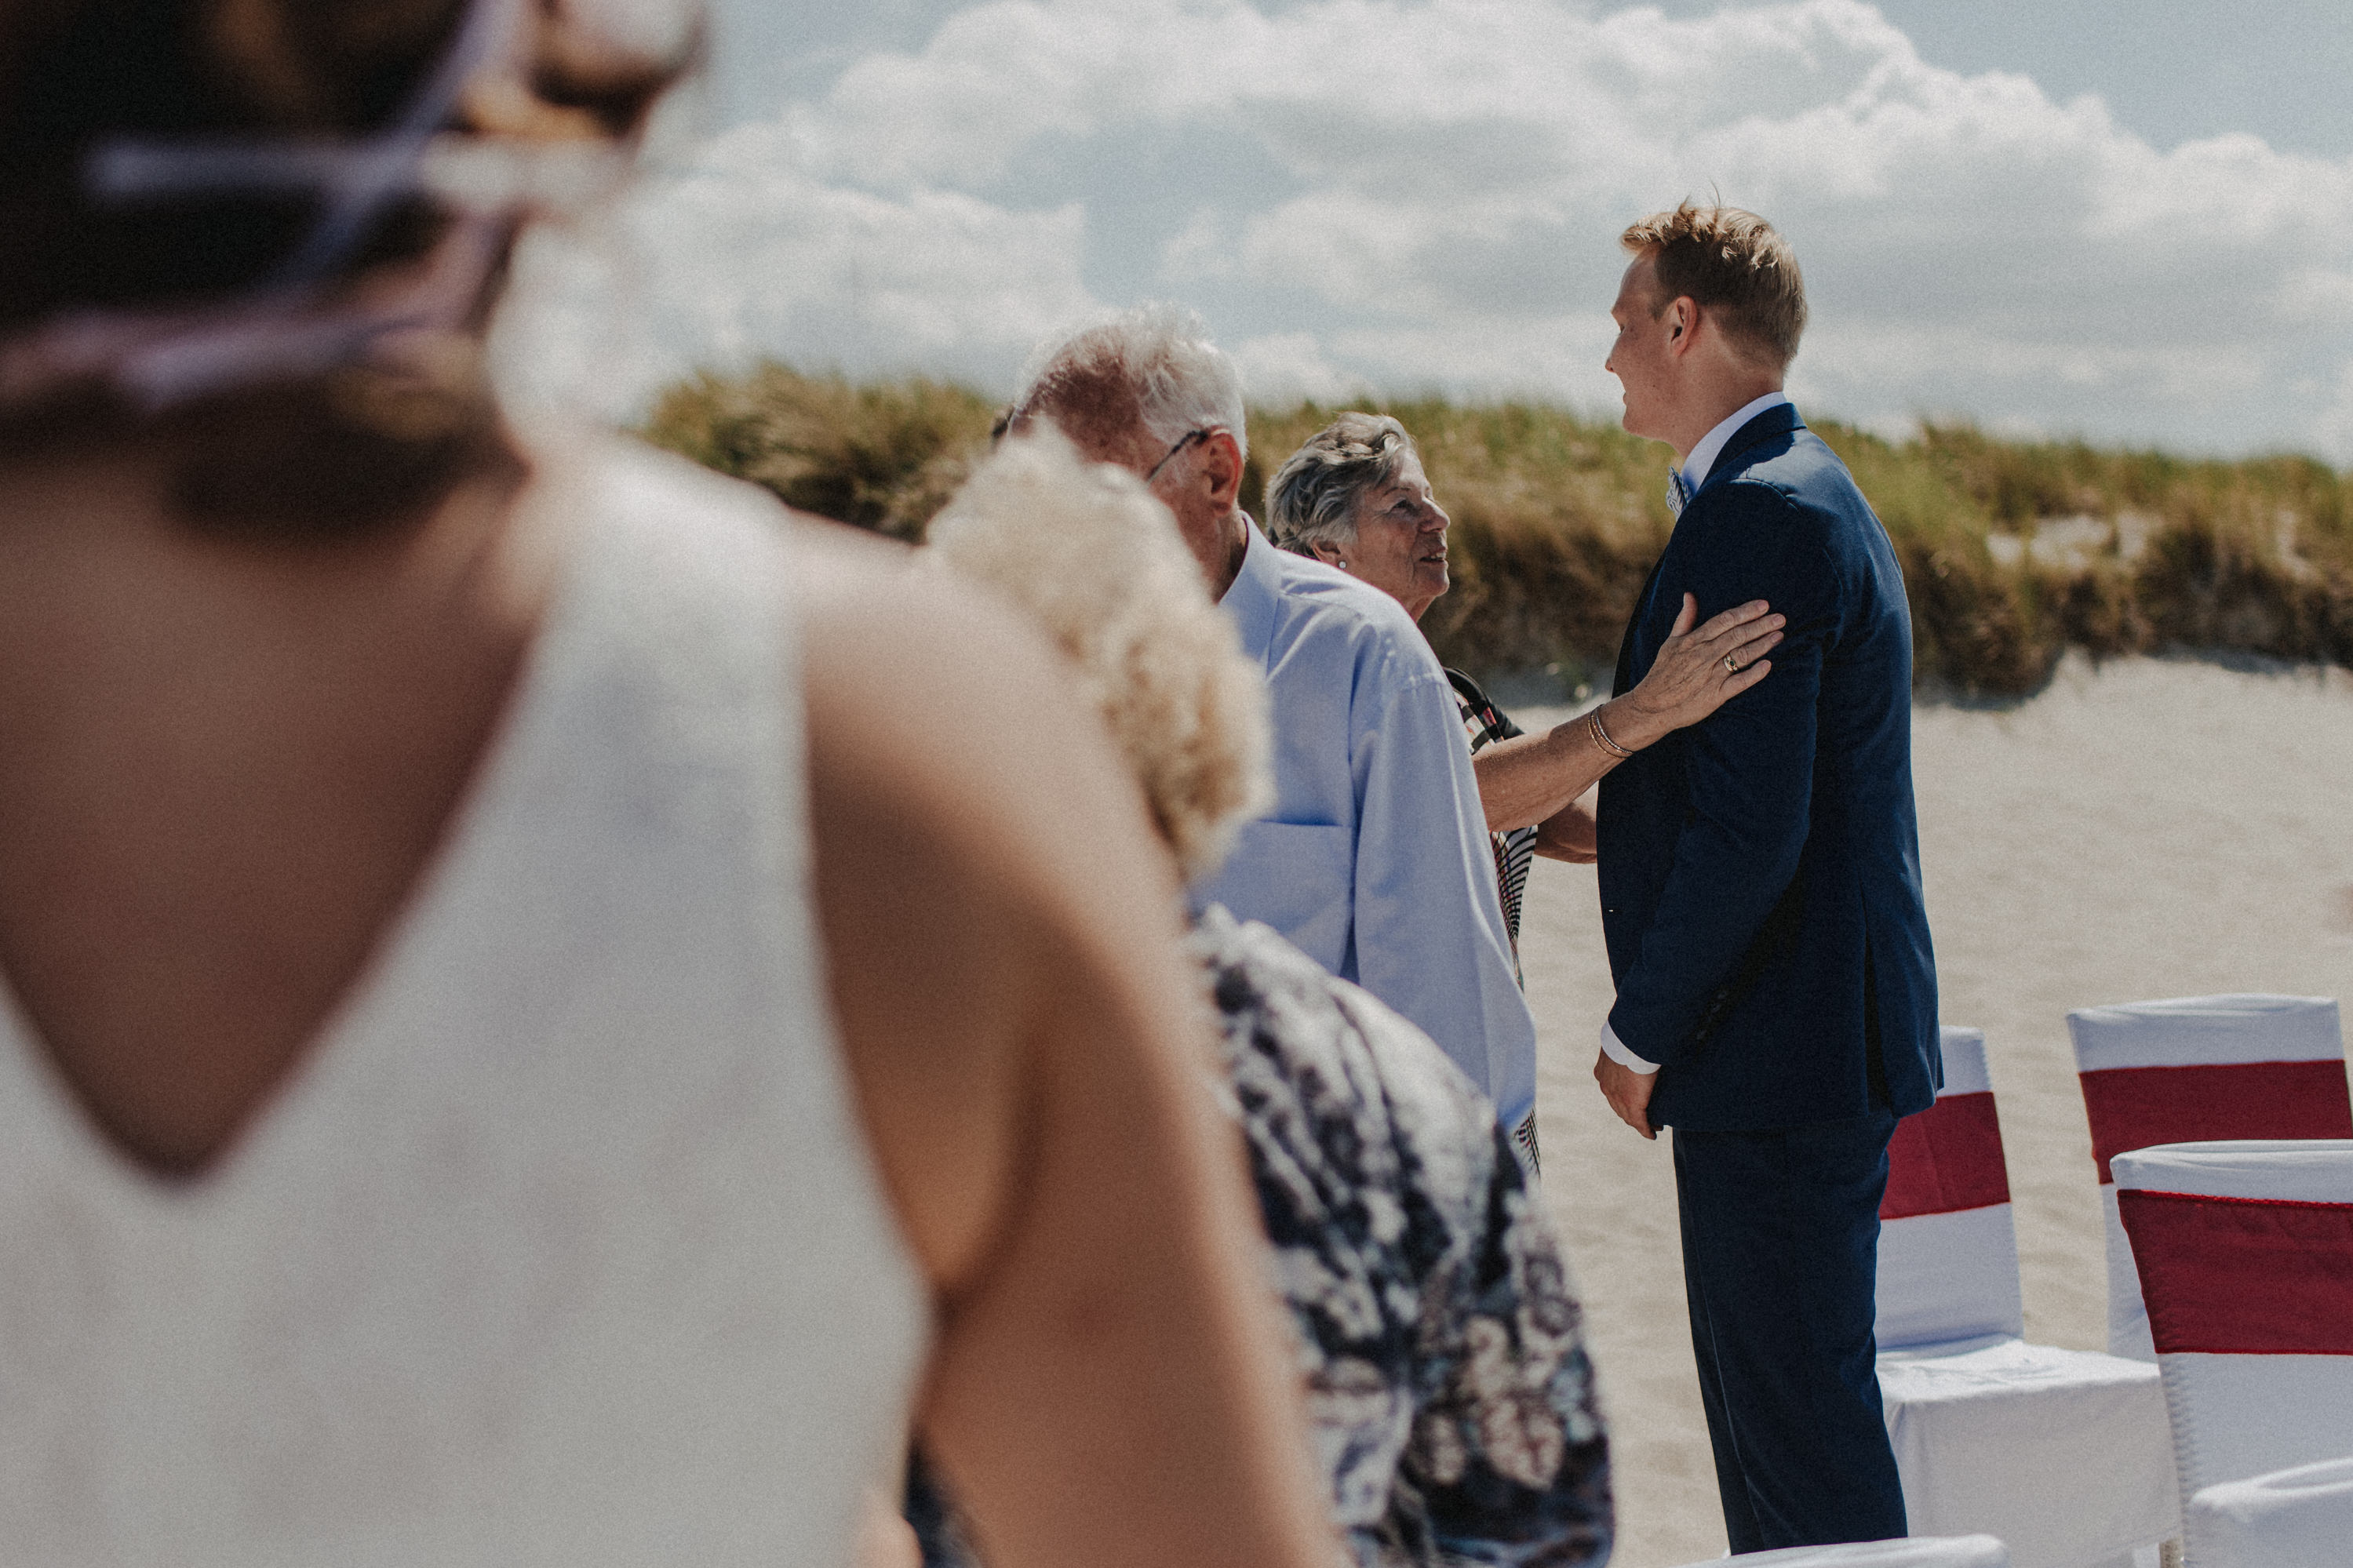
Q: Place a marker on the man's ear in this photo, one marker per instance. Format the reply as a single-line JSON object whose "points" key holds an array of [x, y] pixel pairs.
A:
{"points": [[1681, 323], [1221, 467]]}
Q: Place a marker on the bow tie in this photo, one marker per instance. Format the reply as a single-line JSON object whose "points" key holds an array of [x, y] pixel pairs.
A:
{"points": [[1679, 492]]}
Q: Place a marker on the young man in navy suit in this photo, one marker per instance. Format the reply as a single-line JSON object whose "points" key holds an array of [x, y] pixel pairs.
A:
{"points": [[1761, 891]]}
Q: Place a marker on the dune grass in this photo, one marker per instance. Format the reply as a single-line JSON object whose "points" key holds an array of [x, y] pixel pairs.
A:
{"points": [[883, 454], [2013, 552]]}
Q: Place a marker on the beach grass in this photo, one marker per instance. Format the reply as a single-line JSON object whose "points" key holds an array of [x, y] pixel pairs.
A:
{"points": [[2013, 552]]}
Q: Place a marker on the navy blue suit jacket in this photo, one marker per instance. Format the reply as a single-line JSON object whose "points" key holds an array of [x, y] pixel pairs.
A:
{"points": [[1760, 871]]}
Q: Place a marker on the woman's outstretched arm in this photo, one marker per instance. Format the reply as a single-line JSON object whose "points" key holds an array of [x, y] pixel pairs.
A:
{"points": [[1109, 1384], [1526, 780]]}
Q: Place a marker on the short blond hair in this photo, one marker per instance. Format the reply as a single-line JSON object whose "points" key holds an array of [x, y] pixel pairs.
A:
{"points": [[1088, 554], [1733, 263]]}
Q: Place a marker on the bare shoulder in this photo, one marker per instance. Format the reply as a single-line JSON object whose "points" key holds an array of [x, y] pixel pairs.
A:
{"points": [[857, 592], [971, 827], [1029, 1044], [945, 702]]}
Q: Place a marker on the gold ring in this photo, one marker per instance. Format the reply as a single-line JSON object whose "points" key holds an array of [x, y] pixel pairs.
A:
{"points": [[1731, 664]]}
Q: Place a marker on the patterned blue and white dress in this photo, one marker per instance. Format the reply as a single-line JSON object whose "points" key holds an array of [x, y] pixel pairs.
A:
{"points": [[1452, 1401]]}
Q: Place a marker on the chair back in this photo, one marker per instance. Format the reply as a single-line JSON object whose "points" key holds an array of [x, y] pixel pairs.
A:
{"points": [[2197, 1069], [2289, 1519], [2245, 1257], [1914, 1551], [1947, 1248]]}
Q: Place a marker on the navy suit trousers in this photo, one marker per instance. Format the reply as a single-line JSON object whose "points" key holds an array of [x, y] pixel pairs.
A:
{"points": [[1781, 1232]]}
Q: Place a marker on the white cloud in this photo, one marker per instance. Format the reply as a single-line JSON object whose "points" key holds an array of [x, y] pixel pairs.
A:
{"points": [[1417, 194], [738, 255], [998, 77], [1290, 367], [2335, 421], [1203, 248]]}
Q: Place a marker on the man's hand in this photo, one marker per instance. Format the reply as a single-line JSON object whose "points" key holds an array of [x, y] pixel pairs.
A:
{"points": [[1627, 1092]]}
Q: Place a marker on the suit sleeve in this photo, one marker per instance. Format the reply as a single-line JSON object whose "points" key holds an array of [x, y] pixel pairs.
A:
{"points": [[1428, 926], [1749, 768]]}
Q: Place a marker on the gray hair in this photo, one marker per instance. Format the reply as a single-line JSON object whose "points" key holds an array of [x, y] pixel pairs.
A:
{"points": [[1153, 365], [1312, 500]]}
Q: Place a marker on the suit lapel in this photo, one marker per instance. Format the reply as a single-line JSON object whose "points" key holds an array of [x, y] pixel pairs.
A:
{"points": [[1782, 419]]}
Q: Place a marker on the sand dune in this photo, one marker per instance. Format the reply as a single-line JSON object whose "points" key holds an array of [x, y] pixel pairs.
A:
{"points": [[2147, 828]]}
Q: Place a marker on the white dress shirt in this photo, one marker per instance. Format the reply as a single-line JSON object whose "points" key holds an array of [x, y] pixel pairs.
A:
{"points": [[1711, 446], [1693, 474], [1374, 861]]}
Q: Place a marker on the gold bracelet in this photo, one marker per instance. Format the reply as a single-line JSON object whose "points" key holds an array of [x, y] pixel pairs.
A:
{"points": [[1601, 736]]}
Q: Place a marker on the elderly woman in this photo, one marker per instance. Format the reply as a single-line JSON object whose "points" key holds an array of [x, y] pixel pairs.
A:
{"points": [[1355, 497], [1451, 1400]]}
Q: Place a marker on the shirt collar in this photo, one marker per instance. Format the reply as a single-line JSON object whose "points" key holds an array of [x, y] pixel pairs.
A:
{"points": [[1711, 446], [1251, 598]]}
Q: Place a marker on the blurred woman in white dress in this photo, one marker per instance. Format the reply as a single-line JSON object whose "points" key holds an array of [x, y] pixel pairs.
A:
{"points": [[548, 1009]]}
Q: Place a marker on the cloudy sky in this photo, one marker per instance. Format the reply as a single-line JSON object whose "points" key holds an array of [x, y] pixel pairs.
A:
{"points": [[2133, 223]]}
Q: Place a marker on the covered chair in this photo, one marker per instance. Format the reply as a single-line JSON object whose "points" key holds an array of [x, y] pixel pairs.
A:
{"points": [[2201, 1068], [2245, 1257], [1916, 1551], [2065, 1454], [2301, 1518]]}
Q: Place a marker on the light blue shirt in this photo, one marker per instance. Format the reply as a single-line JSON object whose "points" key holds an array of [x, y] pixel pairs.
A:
{"points": [[1374, 861]]}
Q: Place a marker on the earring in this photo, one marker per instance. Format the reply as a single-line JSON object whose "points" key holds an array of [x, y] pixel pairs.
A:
{"points": [[1343, 566]]}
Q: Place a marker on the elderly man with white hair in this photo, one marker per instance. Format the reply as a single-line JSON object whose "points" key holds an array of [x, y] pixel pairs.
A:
{"points": [[1375, 859]]}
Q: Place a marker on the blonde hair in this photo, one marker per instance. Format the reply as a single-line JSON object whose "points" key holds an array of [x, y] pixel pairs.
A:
{"points": [[1086, 552], [1731, 261]]}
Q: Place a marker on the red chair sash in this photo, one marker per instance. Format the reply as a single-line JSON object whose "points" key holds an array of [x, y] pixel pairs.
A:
{"points": [[2242, 1276], [1945, 1158], [2138, 1107]]}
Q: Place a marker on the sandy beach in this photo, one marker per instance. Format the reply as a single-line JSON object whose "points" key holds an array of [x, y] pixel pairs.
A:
{"points": [[2151, 827]]}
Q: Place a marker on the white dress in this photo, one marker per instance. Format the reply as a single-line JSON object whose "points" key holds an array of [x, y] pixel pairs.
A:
{"points": [[562, 1245]]}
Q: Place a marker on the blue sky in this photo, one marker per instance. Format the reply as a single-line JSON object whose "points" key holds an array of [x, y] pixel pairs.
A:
{"points": [[2039, 217]]}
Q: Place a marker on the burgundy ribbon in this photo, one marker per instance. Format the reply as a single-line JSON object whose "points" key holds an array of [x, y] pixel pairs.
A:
{"points": [[2242, 1276], [1945, 1158], [2138, 1107]]}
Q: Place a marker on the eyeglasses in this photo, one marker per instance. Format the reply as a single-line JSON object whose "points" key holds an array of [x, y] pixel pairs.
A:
{"points": [[1005, 421], [1199, 433]]}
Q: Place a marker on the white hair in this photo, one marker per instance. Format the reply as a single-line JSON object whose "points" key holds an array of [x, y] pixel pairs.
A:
{"points": [[1087, 553], [1180, 379]]}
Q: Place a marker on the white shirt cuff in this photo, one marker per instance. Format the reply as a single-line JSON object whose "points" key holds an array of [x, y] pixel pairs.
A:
{"points": [[1615, 1049]]}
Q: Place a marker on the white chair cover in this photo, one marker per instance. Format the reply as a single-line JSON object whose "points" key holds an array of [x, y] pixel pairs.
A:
{"points": [[1947, 1250], [2290, 1519], [2246, 1255], [2065, 1454], [1919, 1552], [2199, 1068]]}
